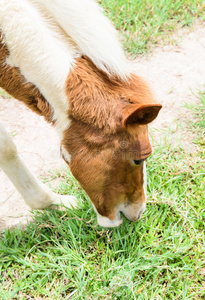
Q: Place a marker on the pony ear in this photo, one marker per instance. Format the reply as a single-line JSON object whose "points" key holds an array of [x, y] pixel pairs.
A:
{"points": [[140, 114]]}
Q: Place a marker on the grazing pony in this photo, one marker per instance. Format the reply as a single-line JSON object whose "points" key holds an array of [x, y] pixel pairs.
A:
{"points": [[62, 58]]}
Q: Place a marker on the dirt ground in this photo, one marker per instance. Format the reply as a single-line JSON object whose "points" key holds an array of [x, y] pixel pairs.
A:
{"points": [[175, 73]]}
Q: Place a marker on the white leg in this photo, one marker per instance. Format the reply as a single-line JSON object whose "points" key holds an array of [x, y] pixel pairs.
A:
{"points": [[34, 192]]}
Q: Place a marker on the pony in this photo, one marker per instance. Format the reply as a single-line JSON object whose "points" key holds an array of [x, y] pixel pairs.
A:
{"points": [[63, 59]]}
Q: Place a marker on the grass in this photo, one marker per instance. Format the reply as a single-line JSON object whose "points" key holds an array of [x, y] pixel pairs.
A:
{"points": [[64, 255], [4, 94], [145, 23]]}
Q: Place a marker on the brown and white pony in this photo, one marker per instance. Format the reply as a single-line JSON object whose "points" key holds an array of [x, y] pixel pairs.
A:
{"points": [[62, 58]]}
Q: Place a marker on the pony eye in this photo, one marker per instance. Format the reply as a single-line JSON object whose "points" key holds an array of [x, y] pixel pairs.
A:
{"points": [[138, 162]]}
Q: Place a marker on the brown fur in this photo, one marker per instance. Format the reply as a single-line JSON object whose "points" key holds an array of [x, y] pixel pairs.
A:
{"points": [[15, 84], [104, 167], [96, 99], [104, 138]]}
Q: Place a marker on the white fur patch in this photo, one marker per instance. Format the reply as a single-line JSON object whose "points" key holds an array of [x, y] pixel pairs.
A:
{"points": [[104, 221], [44, 56], [94, 34], [65, 154]]}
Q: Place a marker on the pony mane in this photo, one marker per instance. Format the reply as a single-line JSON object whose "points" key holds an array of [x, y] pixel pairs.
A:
{"points": [[98, 40]]}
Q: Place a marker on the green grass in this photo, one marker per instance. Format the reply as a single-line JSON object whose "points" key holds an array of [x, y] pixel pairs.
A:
{"points": [[64, 255], [4, 94], [143, 23], [198, 127]]}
